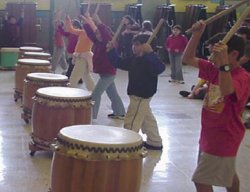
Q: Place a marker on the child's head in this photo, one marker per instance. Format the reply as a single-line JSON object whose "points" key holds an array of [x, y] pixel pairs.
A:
{"points": [[147, 25], [129, 20], [244, 32], [138, 42], [176, 30], [236, 45], [76, 24], [12, 19]]}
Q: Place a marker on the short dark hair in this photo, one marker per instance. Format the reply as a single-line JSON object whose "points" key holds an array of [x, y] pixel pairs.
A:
{"points": [[244, 30], [77, 23], [147, 25], [235, 43], [141, 38]]}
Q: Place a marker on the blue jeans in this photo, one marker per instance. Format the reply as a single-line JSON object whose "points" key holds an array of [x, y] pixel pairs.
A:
{"points": [[176, 66], [106, 83]]}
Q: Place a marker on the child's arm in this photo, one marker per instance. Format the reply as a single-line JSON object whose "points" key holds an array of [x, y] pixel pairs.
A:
{"points": [[116, 60], [70, 28], [189, 56], [156, 65], [104, 30]]}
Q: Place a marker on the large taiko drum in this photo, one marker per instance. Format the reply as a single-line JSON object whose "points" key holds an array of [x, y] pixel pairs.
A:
{"points": [[24, 49], [55, 108], [37, 55], [33, 82], [9, 57], [93, 158], [25, 66]]}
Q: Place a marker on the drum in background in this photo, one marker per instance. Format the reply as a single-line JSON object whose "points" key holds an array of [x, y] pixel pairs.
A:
{"points": [[22, 50], [25, 66], [9, 57], [37, 55], [33, 82], [99, 158], [55, 108]]}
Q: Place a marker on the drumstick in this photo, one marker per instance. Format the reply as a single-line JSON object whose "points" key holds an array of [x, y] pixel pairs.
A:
{"points": [[219, 15], [156, 30], [88, 7], [97, 8], [234, 29], [117, 32]]}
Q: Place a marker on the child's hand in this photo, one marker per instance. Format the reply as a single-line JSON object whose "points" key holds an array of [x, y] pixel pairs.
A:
{"points": [[110, 45], [176, 50], [198, 28], [147, 48], [220, 54]]}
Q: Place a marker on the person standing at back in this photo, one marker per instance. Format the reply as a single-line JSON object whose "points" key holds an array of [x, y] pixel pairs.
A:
{"points": [[175, 45]]}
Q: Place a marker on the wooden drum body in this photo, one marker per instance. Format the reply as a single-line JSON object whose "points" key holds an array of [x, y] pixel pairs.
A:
{"points": [[37, 55], [33, 82], [93, 158], [24, 49], [9, 57], [55, 108], [25, 66]]}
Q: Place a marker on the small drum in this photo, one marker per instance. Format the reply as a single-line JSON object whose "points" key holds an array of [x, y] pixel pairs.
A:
{"points": [[34, 81], [25, 66], [55, 108], [37, 55], [93, 158], [28, 49], [9, 57]]}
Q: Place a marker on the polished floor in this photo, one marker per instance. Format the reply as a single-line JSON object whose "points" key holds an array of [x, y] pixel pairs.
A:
{"points": [[166, 171]]}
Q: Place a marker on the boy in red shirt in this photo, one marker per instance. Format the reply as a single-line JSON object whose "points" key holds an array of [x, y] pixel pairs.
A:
{"points": [[175, 45], [222, 129]]}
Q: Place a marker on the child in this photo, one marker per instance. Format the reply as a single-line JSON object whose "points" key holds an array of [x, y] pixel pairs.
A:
{"points": [[12, 30], [175, 45], [125, 41], [143, 70], [222, 129], [82, 57], [71, 44], [59, 56], [103, 67]]}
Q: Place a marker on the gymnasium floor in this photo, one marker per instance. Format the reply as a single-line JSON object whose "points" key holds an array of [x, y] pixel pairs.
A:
{"points": [[166, 171]]}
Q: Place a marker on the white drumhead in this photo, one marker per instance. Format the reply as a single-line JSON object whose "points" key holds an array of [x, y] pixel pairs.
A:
{"points": [[37, 54], [33, 62], [100, 135], [28, 48], [10, 49], [63, 92], [47, 76]]}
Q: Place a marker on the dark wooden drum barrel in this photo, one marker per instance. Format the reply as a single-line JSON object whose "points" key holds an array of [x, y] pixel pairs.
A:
{"points": [[93, 158]]}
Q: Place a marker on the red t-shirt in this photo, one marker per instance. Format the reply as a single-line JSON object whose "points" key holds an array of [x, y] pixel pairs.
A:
{"points": [[176, 44], [222, 128]]}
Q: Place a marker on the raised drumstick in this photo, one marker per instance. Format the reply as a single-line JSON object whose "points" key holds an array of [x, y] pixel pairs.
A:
{"points": [[234, 29], [156, 30], [220, 14]]}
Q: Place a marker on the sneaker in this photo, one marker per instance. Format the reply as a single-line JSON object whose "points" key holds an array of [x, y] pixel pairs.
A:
{"points": [[151, 147], [80, 81], [113, 116], [180, 82], [171, 81], [184, 93]]}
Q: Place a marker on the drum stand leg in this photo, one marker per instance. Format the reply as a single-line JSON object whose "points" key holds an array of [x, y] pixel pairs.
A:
{"points": [[17, 95], [26, 115], [39, 145]]}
